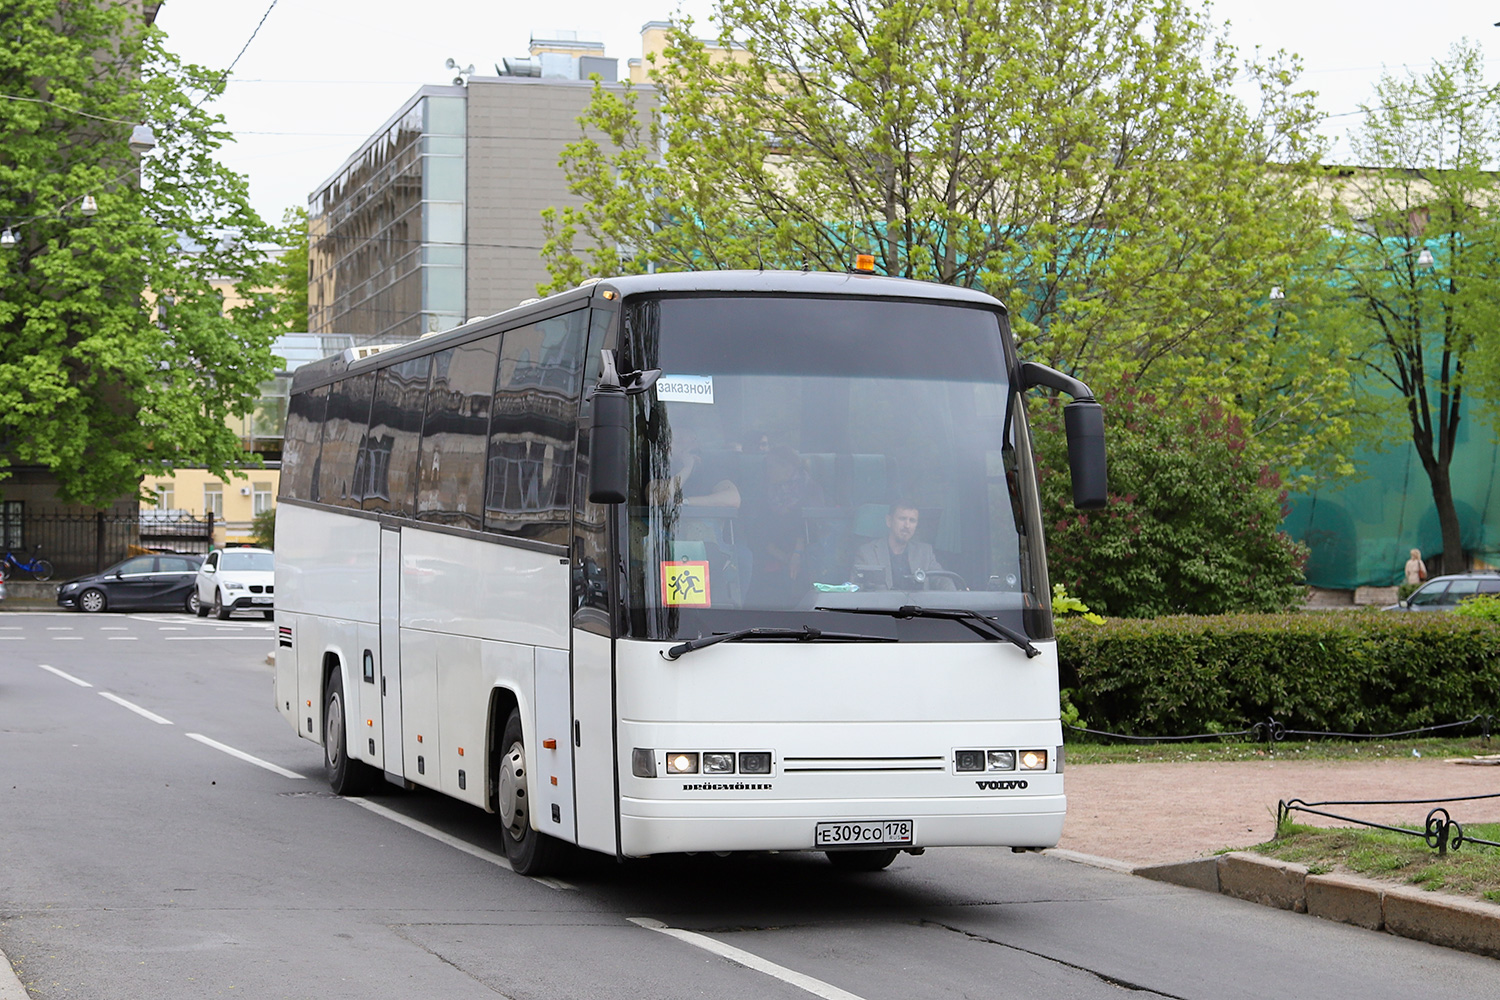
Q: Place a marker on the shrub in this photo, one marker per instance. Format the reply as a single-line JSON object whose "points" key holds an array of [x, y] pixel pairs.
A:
{"points": [[263, 529], [1193, 520], [1485, 607], [1369, 673]]}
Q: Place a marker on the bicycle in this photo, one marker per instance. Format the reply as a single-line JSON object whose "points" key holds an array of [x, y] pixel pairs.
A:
{"points": [[40, 569]]}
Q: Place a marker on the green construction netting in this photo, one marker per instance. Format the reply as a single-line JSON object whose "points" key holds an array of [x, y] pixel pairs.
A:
{"points": [[1361, 532]]}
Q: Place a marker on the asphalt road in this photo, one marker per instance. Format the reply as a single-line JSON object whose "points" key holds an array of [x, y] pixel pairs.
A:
{"points": [[164, 834]]}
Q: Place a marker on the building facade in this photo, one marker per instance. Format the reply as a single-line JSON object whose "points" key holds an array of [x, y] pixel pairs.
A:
{"points": [[436, 218]]}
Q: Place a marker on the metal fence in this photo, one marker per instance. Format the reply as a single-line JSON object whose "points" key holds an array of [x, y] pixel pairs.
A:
{"points": [[77, 543]]}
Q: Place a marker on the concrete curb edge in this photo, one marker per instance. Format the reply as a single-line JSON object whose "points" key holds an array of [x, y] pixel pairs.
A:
{"points": [[10, 983], [1450, 921]]}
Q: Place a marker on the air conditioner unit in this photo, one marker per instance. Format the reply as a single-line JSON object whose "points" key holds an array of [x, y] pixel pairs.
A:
{"points": [[244, 491]]}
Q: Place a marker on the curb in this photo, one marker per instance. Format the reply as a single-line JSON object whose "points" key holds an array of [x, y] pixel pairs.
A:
{"points": [[10, 983], [1463, 924]]}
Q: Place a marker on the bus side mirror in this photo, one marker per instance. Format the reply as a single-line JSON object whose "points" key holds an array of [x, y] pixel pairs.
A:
{"points": [[1084, 421], [607, 446]]}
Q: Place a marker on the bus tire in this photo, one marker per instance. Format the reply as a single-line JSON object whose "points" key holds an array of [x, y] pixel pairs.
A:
{"points": [[345, 775], [530, 851], [862, 861]]}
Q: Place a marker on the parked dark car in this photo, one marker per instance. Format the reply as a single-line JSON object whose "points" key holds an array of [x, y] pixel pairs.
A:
{"points": [[151, 581], [1443, 593]]}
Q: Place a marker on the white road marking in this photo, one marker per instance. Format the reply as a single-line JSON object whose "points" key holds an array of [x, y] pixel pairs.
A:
{"points": [[13, 638], [123, 638], [59, 628], [242, 755], [114, 628], [453, 842], [215, 638], [804, 982], [66, 677], [171, 628], [138, 710], [65, 638]]}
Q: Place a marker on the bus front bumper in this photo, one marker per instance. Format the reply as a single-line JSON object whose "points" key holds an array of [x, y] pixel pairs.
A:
{"points": [[653, 826]]}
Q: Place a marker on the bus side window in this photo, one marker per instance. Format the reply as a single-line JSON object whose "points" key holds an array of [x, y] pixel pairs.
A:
{"points": [[450, 477], [395, 434], [341, 471], [535, 429], [304, 436]]}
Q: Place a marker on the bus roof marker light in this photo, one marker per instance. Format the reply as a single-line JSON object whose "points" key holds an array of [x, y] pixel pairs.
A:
{"points": [[864, 263]]}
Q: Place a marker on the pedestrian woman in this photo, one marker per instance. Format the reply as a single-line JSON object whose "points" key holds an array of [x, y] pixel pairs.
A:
{"points": [[1416, 571]]}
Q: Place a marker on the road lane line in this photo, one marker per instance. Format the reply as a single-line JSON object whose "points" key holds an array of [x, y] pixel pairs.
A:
{"points": [[215, 638], [114, 628], [497, 860], [123, 638], [242, 755], [66, 677], [138, 710], [804, 982], [59, 628]]}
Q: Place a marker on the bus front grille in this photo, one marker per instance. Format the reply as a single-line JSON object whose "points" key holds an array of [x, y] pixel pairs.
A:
{"points": [[827, 765]]}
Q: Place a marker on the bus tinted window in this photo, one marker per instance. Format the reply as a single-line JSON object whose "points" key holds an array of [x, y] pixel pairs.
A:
{"points": [[450, 480], [340, 471], [535, 427], [304, 435], [395, 435]]}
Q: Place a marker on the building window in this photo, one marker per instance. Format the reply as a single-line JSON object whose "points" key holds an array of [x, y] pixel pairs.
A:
{"points": [[13, 536], [213, 499], [261, 499], [166, 496]]}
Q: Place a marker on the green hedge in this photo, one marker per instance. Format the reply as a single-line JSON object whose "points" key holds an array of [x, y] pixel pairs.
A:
{"points": [[1334, 672]]}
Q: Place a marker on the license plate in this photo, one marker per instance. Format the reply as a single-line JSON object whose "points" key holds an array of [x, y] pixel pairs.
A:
{"points": [[260, 600], [863, 832]]}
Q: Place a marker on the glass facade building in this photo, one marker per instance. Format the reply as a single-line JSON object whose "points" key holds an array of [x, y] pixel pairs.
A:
{"points": [[386, 255]]}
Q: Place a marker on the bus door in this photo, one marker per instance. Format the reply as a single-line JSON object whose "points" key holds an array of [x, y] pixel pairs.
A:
{"points": [[390, 648]]}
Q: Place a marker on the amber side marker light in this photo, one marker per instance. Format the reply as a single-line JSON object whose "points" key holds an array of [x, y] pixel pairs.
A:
{"points": [[865, 262]]}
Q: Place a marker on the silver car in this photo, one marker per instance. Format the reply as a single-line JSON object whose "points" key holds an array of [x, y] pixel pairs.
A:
{"points": [[1443, 593]]}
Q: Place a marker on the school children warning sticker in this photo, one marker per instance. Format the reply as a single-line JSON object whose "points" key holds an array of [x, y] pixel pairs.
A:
{"points": [[685, 583]]}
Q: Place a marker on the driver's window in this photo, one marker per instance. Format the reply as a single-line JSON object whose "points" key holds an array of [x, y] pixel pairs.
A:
{"points": [[212, 562], [1461, 589], [137, 566]]}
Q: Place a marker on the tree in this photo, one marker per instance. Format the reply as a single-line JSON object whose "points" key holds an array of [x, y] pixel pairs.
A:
{"points": [[1083, 160], [291, 270], [1423, 256], [115, 353], [1192, 526]]}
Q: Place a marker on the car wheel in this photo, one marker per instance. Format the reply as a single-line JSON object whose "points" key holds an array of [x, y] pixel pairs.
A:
{"points": [[345, 776], [92, 600], [530, 851], [862, 861], [191, 605], [220, 612]]}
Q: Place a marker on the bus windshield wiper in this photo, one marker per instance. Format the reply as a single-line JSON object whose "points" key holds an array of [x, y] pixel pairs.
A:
{"points": [[804, 634], [985, 626]]}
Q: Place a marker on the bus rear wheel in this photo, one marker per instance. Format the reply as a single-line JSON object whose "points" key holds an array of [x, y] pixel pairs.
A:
{"points": [[345, 776], [530, 851], [862, 861]]}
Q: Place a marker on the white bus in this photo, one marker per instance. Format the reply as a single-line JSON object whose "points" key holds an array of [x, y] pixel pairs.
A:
{"points": [[723, 561]]}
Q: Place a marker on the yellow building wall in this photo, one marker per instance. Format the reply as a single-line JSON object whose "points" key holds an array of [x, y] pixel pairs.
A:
{"points": [[189, 491]]}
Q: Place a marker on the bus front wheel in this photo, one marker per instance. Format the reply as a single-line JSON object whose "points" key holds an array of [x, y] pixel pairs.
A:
{"points": [[345, 776], [530, 851]]}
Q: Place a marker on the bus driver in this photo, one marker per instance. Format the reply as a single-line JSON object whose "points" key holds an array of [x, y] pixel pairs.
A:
{"points": [[892, 562]]}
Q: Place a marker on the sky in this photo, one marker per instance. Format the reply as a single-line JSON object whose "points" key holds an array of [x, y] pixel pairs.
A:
{"points": [[320, 76]]}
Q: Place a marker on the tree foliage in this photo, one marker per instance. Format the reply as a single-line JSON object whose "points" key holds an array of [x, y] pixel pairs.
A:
{"points": [[291, 271], [1192, 524], [1422, 259], [115, 352], [1083, 160]]}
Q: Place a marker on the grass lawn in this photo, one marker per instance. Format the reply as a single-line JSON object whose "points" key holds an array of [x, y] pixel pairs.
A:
{"points": [[1238, 749], [1472, 870]]}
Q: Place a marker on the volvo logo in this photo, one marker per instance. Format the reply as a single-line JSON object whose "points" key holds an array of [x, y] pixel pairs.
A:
{"points": [[1000, 786]]}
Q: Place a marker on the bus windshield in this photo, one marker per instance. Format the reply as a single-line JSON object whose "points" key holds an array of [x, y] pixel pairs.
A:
{"points": [[803, 460]]}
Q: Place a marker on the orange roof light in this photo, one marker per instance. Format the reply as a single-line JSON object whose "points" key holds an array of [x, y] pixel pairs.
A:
{"points": [[865, 262]]}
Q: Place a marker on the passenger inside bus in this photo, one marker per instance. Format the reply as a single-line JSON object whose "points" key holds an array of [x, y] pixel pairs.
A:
{"points": [[898, 561]]}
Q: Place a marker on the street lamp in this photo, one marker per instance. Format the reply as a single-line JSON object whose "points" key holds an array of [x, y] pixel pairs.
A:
{"points": [[7, 238], [142, 139], [90, 207]]}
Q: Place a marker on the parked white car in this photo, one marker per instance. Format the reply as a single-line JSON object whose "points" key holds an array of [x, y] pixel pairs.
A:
{"points": [[233, 580]]}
